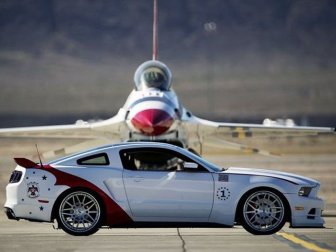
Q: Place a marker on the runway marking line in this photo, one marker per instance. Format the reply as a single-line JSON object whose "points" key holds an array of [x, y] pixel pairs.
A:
{"points": [[305, 244]]}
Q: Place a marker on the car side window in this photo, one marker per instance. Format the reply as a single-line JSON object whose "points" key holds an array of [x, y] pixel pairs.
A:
{"points": [[96, 159], [155, 159]]}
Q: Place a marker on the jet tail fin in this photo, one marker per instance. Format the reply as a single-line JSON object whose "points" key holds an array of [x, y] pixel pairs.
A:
{"points": [[155, 30]]}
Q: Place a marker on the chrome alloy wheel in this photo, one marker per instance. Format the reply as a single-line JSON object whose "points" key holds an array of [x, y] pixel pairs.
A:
{"points": [[80, 213], [263, 211]]}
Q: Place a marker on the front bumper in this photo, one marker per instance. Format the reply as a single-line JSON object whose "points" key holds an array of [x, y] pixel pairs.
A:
{"points": [[306, 211]]}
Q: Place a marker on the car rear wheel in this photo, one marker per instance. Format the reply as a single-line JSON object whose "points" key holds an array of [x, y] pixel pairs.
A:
{"points": [[79, 213], [263, 212]]}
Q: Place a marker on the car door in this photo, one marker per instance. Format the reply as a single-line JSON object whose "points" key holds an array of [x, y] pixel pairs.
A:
{"points": [[157, 186]]}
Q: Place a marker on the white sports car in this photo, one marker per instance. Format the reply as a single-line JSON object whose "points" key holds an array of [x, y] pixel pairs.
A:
{"points": [[147, 184]]}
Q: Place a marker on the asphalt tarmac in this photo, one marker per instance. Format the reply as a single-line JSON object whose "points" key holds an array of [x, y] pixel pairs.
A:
{"points": [[29, 236]]}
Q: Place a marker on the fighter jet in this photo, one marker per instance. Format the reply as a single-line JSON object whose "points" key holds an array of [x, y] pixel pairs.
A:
{"points": [[153, 112]]}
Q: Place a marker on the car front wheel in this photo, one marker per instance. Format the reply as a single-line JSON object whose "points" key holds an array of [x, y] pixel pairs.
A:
{"points": [[263, 212], [79, 213]]}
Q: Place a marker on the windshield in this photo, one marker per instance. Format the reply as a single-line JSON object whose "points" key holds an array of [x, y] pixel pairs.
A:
{"points": [[152, 74], [154, 78], [204, 162]]}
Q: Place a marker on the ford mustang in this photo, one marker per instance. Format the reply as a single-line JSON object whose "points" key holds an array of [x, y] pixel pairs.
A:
{"points": [[156, 184]]}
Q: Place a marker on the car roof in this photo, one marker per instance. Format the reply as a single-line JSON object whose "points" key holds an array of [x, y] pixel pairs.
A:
{"points": [[112, 146]]}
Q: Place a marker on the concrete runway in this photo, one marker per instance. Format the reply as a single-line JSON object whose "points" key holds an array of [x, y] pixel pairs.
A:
{"points": [[28, 236]]}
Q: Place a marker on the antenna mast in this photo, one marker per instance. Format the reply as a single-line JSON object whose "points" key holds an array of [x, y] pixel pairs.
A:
{"points": [[38, 154], [155, 31]]}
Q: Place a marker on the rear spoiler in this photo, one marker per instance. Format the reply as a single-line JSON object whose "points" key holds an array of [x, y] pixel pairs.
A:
{"points": [[26, 163]]}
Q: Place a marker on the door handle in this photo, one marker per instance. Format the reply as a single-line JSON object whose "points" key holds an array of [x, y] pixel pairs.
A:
{"points": [[138, 179]]}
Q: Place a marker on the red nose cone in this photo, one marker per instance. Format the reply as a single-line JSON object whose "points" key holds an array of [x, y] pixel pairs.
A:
{"points": [[152, 122]]}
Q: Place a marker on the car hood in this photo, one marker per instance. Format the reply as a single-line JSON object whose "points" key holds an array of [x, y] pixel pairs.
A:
{"points": [[297, 179]]}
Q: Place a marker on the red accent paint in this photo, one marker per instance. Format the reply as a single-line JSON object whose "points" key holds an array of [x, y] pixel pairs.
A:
{"points": [[114, 214], [43, 201], [26, 163], [152, 122]]}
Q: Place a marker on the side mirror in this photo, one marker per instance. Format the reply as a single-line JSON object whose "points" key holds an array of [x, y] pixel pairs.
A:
{"points": [[189, 165]]}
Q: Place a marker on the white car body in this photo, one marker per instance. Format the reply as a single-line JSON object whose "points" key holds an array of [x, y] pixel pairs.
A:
{"points": [[208, 196]]}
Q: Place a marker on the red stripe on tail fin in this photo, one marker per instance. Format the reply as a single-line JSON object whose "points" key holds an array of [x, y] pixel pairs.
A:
{"points": [[155, 31]]}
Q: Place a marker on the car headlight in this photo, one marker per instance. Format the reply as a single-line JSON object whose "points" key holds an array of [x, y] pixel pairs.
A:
{"points": [[304, 191]]}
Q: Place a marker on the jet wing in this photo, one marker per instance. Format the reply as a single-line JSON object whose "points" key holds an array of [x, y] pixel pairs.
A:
{"points": [[81, 130], [77, 130], [253, 138], [240, 130], [60, 140]]}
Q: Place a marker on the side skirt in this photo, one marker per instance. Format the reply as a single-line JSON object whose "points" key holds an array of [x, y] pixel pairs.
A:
{"points": [[169, 225]]}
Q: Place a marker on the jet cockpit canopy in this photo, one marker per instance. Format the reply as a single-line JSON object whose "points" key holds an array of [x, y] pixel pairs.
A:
{"points": [[152, 74]]}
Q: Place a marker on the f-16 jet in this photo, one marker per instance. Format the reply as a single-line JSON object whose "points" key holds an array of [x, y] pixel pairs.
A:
{"points": [[153, 112]]}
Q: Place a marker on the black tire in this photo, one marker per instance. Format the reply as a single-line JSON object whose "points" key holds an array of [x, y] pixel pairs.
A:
{"points": [[79, 213], [262, 212]]}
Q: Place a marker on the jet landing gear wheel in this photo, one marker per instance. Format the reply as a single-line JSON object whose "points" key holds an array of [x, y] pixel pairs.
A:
{"points": [[263, 213], [79, 213]]}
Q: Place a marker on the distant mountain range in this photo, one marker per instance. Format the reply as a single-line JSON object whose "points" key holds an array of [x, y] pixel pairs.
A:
{"points": [[299, 28]]}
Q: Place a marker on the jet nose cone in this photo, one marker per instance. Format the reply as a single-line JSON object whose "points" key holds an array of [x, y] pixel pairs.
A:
{"points": [[152, 122]]}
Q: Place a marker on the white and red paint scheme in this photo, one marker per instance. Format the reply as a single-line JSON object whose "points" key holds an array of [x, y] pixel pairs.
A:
{"points": [[153, 107], [146, 184]]}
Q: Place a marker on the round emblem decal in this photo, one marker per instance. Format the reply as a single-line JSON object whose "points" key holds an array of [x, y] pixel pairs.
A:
{"points": [[223, 193], [33, 190]]}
